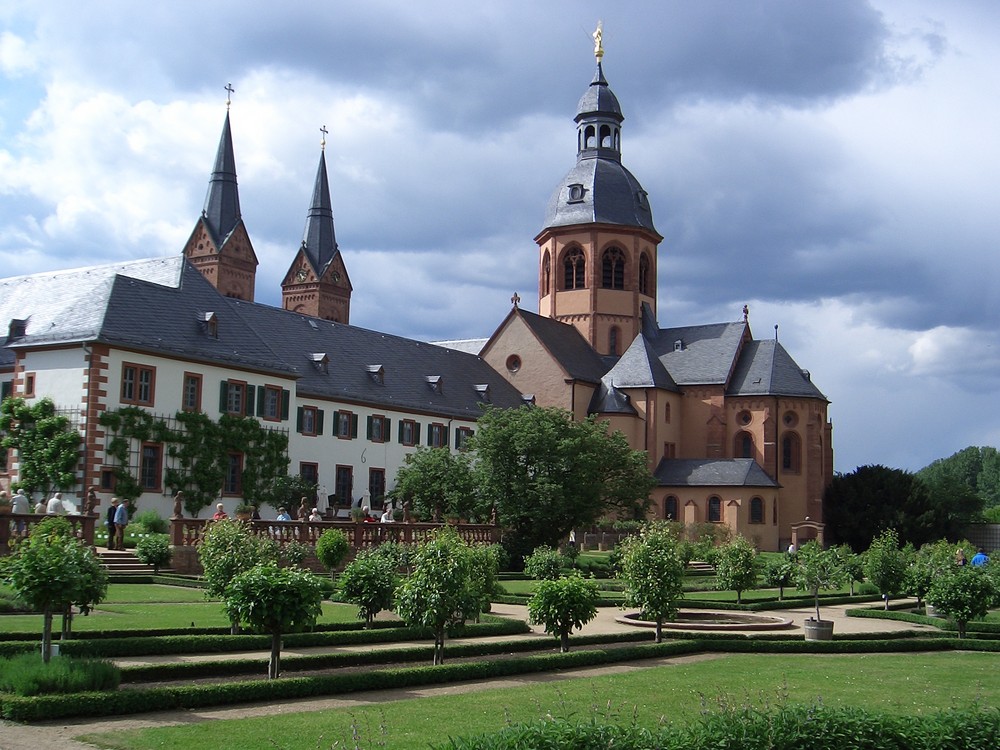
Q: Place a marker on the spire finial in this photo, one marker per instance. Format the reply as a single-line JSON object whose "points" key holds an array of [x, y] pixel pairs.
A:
{"points": [[229, 95], [515, 300], [775, 331], [598, 43], [746, 313], [322, 143]]}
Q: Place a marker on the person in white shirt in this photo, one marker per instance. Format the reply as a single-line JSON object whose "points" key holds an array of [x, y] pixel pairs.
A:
{"points": [[387, 516], [55, 506]]}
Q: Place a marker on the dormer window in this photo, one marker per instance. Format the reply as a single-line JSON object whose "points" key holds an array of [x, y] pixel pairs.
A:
{"points": [[17, 329], [528, 399], [576, 193], [678, 345], [377, 373], [435, 382], [321, 361], [209, 323], [483, 390]]}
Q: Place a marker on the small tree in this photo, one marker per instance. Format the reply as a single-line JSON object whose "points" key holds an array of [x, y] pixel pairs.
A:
{"points": [[564, 605], [852, 563], [925, 565], [780, 573], [50, 571], [154, 550], [47, 445], [544, 564], [964, 594], [92, 585], [436, 594], [885, 564], [817, 569], [369, 581], [653, 571], [331, 549], [274, 600], [736, 567], [228, 549], [483, 578]]}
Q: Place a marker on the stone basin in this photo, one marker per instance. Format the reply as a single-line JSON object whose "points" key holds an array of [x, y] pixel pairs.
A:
{"points": [[709, 620]]}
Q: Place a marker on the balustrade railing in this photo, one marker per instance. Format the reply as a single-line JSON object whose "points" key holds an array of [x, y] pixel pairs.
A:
{"points": [[16, 526]]}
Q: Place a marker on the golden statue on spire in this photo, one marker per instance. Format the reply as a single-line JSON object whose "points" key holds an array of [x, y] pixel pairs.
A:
{"points": [[598, 43]]}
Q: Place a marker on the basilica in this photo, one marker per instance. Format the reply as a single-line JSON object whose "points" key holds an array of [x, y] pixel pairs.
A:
{"points": [[735, 431]]}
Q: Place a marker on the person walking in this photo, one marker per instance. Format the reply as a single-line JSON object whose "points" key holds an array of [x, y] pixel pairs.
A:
{"points": [[980, 558], [110, 522], [121, 521]]}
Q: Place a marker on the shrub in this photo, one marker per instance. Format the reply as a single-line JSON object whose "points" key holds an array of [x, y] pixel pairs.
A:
{"points": [[736, 567], [564, 605], [27, 674], [544, 564], [293, 553], [150, 522], [369, 581], [154, 550], [331, 548]]}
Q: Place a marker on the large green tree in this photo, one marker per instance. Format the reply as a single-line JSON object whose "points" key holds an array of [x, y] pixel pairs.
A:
{"points": [[859, 506], [274, 600], [546, 473], [976, 469], [47, 445], [652, 569], [436, 483]]}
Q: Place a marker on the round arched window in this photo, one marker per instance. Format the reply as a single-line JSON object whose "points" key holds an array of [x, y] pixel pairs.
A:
{"points": [[745, 417], [513, 363]]}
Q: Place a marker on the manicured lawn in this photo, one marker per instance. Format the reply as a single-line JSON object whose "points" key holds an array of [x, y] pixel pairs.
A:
{"points": [[139, 606], [907, 684]]}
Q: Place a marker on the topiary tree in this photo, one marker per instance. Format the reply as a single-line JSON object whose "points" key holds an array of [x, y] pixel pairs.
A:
{"points": [[652, 569], [50, 571], [544, 563], [564, 605], [964, 594], [369, 581], [885, 564], [436, 594], [736, 567], [817, 569], [274, 600], [154, 550], [228, 549], [331, 549], [780, 573], [92, 585]]}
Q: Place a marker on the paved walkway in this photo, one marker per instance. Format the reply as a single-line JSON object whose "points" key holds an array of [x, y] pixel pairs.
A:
{"points": [[59, 735]]}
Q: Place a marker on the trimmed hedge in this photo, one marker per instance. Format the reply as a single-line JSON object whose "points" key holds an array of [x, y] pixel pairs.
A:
{"points": [[942, 623]]}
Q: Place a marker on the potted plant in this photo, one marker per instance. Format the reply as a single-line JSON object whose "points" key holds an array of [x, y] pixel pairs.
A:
{"points": [[817, 568], [244, 511], [358, 514]]}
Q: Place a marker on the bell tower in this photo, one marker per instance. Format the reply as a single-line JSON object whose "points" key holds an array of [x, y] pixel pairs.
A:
{"points": [[219, 246], [598, 249]]}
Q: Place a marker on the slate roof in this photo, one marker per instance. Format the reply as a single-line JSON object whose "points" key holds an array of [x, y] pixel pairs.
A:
{"points": [[706, 355], [222, 203], [610, 400], [319, 239], [599, 98], [765, 368], [639, 367], [568, 347], [406, 364], [698, 472]]}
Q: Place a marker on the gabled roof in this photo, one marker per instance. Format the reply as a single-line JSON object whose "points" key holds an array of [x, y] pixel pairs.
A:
{"points": [[698, 472], [566, 345], [352, 352], [765, 368], [608, 399], [639, 367], [705, 355]]}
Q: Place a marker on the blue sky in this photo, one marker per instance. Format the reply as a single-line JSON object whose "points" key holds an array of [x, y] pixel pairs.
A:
{"points": [[830, 164]]}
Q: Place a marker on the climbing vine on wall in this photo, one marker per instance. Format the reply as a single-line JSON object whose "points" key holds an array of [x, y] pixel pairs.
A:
{"points": [[198, 450], [47, 444]]}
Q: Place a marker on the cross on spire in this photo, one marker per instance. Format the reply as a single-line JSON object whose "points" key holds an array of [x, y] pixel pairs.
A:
{"points": [[516, 299], [322, 143], [229, 95]]}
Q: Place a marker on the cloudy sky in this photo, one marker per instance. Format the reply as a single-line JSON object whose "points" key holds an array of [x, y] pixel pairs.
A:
{"points": [[831, 164]]}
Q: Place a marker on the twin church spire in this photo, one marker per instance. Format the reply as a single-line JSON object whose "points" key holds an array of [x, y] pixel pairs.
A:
{"points": [[316, 284]]}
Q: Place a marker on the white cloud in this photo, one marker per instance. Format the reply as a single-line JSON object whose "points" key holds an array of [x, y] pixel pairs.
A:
{"points": [[17, 57]]}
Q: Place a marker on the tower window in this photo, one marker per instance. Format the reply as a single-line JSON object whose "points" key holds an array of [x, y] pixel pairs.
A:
{"points": [[714, 509], [744, 445], [546, 273], [574, 267], [644, 285], [589, 137], [613, 276], [791, 453], [613, 336], [606, 137]]}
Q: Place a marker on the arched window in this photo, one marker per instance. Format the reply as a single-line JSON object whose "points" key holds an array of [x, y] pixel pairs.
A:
{"points": [[670, 508], [791, 453], [613, 276], [666, 412], [574, 266], [714, 509], [644, 286], [743, 446], [546, 273], [606, 136], [589, 137], [613, 336], [756, 510]]}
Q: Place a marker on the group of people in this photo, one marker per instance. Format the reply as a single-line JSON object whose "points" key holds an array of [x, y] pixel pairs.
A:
{"points": [[116, 520], [978, 560]]}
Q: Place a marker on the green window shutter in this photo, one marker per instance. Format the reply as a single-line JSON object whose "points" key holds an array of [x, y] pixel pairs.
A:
{"points": [[298, 419], [354, 425], [286, 400], [319, 421], [399, 437], [248, 406], [446, 437], [385, 430], [223, 395], [336, 423], [369, 435], [261, 392], [416, 433]]}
